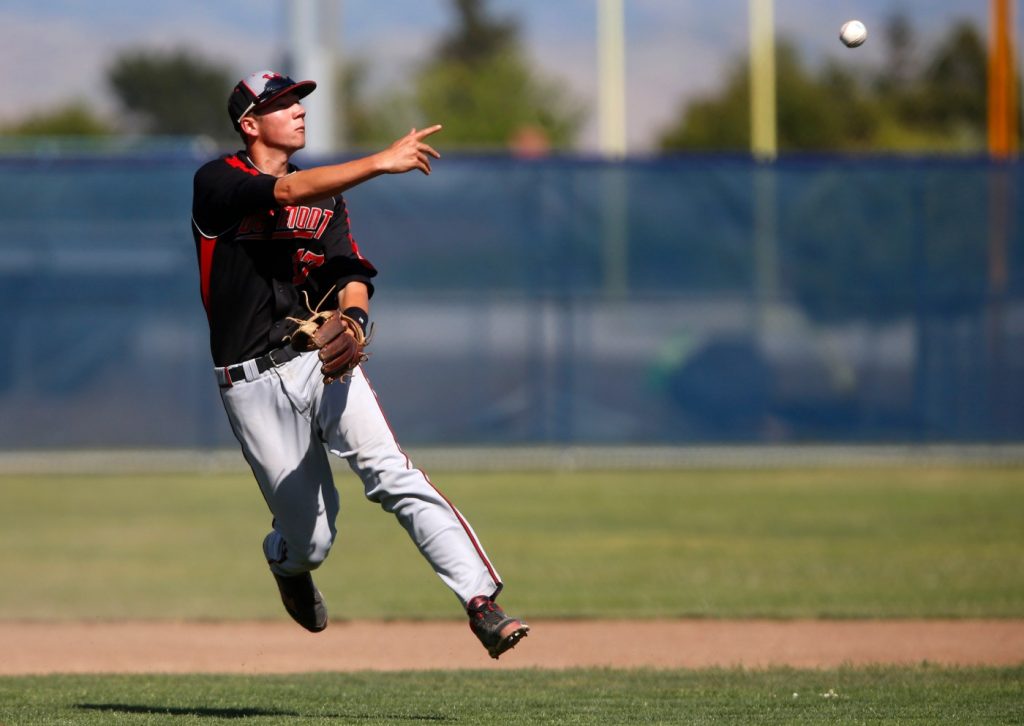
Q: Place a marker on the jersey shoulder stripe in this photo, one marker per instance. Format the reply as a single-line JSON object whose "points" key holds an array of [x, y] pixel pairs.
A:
{"points": [[237, 163]]}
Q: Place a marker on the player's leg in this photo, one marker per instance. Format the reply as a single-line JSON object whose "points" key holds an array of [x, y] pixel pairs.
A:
{"points": [[355, 428], [270, 417]]}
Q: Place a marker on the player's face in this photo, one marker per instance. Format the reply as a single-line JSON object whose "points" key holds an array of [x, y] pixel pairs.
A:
{"points": [[282, 124]]}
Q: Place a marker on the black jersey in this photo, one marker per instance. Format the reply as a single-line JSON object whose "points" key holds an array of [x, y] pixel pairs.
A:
{"points": [[256, 257]]}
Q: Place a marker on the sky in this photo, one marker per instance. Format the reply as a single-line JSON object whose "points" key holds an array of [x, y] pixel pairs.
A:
{"points": [[676, 50]]}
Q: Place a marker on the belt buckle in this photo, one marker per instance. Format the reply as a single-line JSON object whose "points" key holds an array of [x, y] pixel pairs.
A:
{"points": [[270, 356]]}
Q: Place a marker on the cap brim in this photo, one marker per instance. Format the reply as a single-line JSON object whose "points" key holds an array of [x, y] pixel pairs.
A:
{"points": [[300, 89]]}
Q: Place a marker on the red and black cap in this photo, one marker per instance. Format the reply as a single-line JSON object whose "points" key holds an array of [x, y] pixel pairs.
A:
{"points": [[261, 88]]}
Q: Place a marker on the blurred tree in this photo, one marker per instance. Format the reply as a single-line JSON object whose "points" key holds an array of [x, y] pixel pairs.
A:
{"points": [[350, 84], [907, 105], [808, 116], [900, 51], [720, 122], [175, 92], [73, 119], [480, 86], [950, 97], [477, 37], [489, 103], [370, 122]]}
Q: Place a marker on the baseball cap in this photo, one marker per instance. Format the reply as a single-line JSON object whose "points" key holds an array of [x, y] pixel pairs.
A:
{"points": [[261, 88]]}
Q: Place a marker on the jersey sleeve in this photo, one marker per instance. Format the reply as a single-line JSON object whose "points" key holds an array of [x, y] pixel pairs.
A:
{"points": [[343, 263], [226, 190]]}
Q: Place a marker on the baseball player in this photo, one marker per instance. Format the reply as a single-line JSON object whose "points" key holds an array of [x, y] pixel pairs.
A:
{"points": [[286, 292]]}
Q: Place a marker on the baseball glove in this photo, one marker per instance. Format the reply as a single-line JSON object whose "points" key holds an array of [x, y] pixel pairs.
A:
{"points": [[339, 338]]}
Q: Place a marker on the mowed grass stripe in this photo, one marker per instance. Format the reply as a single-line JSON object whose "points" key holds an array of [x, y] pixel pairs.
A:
{"points": [[846, 543]]}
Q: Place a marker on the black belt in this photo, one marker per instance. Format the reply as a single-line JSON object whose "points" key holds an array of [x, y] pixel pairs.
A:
{"points": [[273, 359]]}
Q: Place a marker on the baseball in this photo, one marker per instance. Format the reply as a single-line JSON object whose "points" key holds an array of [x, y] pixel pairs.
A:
{"points": [[853, 33]]}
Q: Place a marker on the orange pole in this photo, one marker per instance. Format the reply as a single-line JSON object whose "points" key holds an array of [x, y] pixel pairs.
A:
{"points": [[1002, 83], [1002, 145]]}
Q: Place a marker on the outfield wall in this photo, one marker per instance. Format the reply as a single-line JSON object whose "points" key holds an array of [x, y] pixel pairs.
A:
{"points": [[558, 302]]}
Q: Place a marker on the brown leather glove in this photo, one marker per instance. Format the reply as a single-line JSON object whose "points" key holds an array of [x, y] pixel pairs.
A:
{"points": [[339, 338]]}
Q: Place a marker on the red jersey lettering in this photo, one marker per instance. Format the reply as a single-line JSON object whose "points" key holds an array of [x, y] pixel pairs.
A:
{"points": [[304, 261]]}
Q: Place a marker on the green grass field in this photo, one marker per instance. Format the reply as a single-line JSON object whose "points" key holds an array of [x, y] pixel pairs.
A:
{"points": [[920, 695], [899, 542], [833, 543]]}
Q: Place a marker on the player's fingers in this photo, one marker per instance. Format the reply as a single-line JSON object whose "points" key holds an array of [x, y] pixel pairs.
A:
{"points": [[429, 131], [429, 150]]}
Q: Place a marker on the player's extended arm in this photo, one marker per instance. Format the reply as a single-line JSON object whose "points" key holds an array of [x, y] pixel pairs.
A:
{"points": [[309, 185]]}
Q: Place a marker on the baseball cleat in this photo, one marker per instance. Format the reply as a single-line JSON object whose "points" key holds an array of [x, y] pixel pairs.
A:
{"points": [[497, 631], [303, 601]]}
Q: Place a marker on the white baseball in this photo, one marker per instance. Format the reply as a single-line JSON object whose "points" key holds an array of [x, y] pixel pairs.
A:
{"points": [[853, 33]]}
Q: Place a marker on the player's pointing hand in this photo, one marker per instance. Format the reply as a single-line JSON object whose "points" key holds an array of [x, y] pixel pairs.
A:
{"points": [[409, 152]]}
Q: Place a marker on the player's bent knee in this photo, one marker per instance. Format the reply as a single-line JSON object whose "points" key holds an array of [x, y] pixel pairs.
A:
{"points": [[318, 551], [292, 557]]}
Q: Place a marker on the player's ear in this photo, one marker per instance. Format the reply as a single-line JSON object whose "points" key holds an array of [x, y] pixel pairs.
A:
{"points": [[248, 127]]}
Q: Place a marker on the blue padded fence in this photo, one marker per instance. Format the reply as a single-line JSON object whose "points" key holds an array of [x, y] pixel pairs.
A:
{"points": [[562, 301]]}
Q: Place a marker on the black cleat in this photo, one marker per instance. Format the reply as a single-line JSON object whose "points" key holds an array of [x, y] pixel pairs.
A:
{"points": [[303, 601], [497, 631]]}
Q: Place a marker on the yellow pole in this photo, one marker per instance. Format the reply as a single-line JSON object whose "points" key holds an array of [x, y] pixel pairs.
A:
{"points": [[764, 147], [611, 48], [763, 132]]}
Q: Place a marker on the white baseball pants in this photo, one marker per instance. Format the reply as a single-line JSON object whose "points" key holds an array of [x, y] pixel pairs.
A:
{"points": [[286, 420]]}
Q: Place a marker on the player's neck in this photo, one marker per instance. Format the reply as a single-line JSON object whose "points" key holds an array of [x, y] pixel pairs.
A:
{"points": [[269, 160]]}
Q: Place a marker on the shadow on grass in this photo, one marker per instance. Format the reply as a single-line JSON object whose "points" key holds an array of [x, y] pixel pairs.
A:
{"points": [[237, 712], [184, 710]]}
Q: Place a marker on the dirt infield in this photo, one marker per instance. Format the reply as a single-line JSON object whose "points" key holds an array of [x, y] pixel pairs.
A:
{"points": [[277, 647]]}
